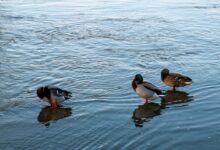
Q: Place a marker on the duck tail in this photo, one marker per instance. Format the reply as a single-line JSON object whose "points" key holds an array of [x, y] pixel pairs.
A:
{"points": [[162, 94], [187, 81], [67, 94]]}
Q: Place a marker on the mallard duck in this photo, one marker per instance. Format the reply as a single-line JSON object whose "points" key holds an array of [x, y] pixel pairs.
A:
{"points": [[174, 79], [53, 95], [144, 89]]}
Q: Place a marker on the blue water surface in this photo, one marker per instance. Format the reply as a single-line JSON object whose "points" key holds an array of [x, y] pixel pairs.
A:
{"points": [[93, 48]]}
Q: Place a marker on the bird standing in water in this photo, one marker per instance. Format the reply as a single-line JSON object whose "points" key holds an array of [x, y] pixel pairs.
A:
{"points": [[53, 95], [175, 79], [144, 89]]}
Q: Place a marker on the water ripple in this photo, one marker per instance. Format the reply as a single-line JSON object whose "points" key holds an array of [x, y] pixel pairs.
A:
{"points": [[93, 49]]}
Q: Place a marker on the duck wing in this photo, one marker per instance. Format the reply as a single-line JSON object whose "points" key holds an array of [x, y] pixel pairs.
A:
{"points": [[152, 87], [59, 93], [179, 79]]}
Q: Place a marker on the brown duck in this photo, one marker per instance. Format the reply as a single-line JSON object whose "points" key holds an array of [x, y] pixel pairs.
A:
{"points": [[174, 79]]}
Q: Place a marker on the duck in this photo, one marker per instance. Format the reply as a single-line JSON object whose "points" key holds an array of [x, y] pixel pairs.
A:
{"points": [[145, 89], [53, 95], [174, 79]]}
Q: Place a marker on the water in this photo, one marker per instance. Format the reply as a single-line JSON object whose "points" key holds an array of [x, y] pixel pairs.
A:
{"points": [[94, 48]]}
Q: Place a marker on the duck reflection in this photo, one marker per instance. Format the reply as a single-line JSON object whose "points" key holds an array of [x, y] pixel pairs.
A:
{"points": [[145, 112], [48, 114], [175, 97], [149, 110]]}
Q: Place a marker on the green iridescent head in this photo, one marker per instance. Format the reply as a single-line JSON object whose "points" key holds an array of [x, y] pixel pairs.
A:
{"points": [[138, 78]]}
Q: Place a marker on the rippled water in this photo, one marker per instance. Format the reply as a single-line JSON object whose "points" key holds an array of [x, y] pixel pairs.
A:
{"points": [[94, 48]]}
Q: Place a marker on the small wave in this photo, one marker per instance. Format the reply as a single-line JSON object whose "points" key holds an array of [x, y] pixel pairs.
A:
{"points": [[215, 6], [135, 20], [209, 88]]}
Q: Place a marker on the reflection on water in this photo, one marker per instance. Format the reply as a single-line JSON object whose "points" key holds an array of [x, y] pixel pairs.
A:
{"points": [[143, 112], [147, 111], [175, 98], [48, 114]]}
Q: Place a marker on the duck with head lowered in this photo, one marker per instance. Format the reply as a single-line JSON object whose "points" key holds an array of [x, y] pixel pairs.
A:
{"points": [[53, 95], [175, 79], [145, 89]]}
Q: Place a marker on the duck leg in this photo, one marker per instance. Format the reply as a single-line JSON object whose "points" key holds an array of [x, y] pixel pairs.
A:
{"points": [[54, 104], [146, 101]]}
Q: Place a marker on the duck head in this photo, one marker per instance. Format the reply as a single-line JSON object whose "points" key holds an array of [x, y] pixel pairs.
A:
{"points": [[138, 79], [164, 73], [40, 92]]}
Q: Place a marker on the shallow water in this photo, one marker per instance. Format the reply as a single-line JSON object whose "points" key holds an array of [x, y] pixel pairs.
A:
{"points": [[94, 48]]}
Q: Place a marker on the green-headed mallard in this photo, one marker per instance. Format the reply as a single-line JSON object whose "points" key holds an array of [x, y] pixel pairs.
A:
{"points": [[144, 89]]}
